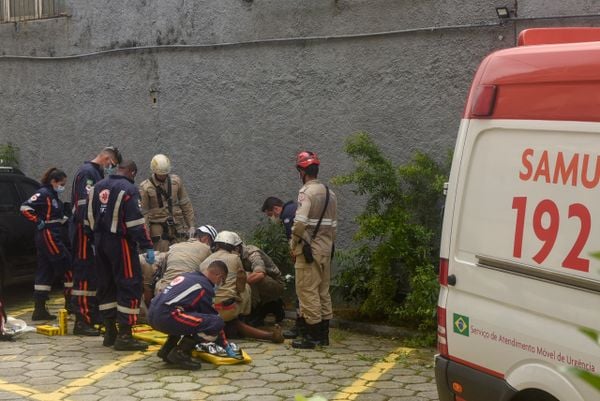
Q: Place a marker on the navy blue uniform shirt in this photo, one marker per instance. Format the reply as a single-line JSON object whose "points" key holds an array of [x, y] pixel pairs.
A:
{"points": [[114, 207], [288, 212]]}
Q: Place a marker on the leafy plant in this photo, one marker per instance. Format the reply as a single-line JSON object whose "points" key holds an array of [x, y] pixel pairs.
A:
{"points": [[588, 377], [270, 237], [9, 155], [398, 234]]}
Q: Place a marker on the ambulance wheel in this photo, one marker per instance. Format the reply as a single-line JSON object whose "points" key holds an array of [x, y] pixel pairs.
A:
{"points": [[534, 395]]}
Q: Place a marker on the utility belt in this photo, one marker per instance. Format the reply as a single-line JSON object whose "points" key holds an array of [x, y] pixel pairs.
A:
{"points": [[169, 232]]}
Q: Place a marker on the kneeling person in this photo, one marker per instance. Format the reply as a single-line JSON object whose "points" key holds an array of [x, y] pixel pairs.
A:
{"points": [[266, 283], [184, 308]]}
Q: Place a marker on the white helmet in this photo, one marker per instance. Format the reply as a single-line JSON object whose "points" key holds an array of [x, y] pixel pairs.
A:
{"points": [[228, 237], [207, 230], [160, 164]]}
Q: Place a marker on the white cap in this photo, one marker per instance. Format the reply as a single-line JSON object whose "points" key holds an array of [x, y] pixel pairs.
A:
{"points": [[228, 237]]}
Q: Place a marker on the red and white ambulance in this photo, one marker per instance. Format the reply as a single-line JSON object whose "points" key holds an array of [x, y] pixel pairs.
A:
{"points": [[519, 301]]}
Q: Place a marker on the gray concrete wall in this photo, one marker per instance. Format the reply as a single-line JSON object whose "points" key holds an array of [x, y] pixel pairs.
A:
{"points": [[233, 117]]}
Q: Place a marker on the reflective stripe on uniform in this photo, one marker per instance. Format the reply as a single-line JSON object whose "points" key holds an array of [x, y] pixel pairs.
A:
{"points": [[90, 212], [110, 305], [83, 293], [115, 216], [82, 202], [129, 311], [314, 222], [184, 294], [68, 284], [25, 207], [40, 287], [134, 223], [61, 221]]}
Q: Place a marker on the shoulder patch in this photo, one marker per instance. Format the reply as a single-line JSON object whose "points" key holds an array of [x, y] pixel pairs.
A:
{"points": [[177, 280], [34, 197]]}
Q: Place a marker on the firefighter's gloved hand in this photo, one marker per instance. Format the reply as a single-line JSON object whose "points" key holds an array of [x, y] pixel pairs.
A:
{"points": [[150, 258], [41, 224]]}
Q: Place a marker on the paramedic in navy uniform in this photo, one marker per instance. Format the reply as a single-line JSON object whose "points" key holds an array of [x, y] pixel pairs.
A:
{"points": [[115, 216]]}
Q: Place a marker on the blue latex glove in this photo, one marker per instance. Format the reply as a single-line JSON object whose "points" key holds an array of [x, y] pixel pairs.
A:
{"points": [[150, 258], [41, 224], [230, 352]]}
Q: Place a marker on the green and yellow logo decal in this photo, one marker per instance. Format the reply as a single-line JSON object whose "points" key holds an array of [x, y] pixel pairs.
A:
{"points": [[461, 324]]}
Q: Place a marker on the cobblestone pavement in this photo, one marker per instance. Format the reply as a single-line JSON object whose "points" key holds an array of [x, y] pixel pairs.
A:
{"points": [[354, 367]]}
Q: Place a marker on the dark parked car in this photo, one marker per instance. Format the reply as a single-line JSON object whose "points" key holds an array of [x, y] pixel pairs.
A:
{"points": [[17, 249]]}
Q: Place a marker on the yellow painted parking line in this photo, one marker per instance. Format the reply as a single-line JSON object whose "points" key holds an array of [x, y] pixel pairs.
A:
{"points": [[62, 393], [362, 383], [19, 312]]}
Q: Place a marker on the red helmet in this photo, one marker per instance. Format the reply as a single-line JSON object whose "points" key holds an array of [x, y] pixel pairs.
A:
{"points": [[305, 159]]}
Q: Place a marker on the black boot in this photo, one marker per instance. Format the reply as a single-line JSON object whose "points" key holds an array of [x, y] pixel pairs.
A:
{"points": [[324, 332], [279, 310], [40, 312], [181, 355], [126, 342], [167, 347], [311, 339], [297, 330], [68, 304], [256, 317], [81, 328], [110, 332]]}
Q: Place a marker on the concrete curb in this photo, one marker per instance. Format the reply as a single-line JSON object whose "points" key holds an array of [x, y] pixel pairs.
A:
{"points": [[366, 328]]}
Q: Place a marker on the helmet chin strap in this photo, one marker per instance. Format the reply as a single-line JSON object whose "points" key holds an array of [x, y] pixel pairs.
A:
{"points": [[303, 176]]}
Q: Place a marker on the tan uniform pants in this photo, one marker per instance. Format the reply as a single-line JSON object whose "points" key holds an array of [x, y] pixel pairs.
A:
{"points": [[240, 307], [312, 288], [162, 245], [266, 290]]}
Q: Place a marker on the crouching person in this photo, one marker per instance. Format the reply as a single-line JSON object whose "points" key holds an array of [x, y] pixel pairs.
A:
{"points": [[185, 312], [233, 299]]}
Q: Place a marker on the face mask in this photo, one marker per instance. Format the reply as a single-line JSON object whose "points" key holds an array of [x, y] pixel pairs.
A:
{"points": [[110, 170], [60, 189]]}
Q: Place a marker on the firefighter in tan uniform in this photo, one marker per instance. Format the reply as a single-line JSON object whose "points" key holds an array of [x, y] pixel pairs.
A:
{"points": [[313, 236], [166, 206], [266, 282], [186, 257], [233, 298]]}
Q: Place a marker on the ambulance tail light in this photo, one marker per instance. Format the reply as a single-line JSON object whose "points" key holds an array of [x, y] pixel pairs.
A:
{"points": [[484, 100], [443, 272], [442, 338]]}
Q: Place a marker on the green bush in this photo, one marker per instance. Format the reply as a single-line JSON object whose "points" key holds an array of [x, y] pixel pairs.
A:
{"points": [[9, 155], [398, 235], [270, 237]]}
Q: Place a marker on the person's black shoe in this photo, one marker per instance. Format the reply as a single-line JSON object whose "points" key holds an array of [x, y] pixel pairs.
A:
{"points": [[125, 342], [311, 339], [110, 332], [325, 332], [182, 360], [40, 312], [279, 311], [297, 330], [83, 329], [167, 347]]}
